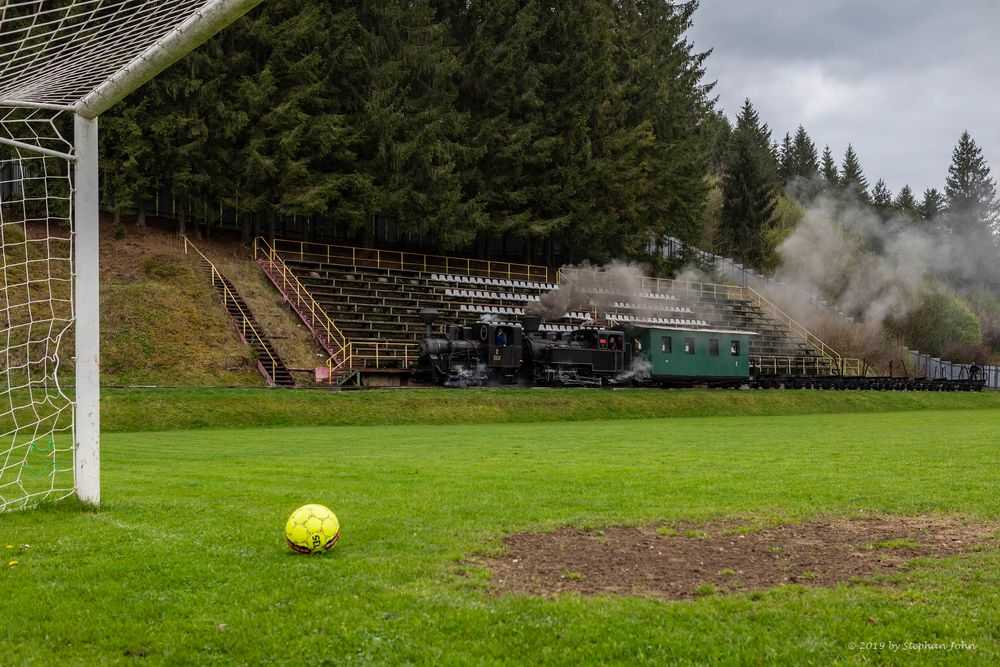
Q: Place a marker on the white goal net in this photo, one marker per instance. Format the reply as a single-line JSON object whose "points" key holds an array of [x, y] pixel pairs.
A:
{"points": [[63, 63]]}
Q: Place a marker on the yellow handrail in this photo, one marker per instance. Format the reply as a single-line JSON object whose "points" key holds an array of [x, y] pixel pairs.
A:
{"points": [[410, 261], [758, 299], [289, 281], [375, 355], [246, 326]]}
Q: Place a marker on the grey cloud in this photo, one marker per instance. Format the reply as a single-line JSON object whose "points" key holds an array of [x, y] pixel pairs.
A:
{"points": [[900, 80]]}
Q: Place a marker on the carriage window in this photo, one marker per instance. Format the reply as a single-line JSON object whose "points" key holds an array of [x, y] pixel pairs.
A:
{"points": [[713, 347], [734, 348], [689, 346], [666, 345]]}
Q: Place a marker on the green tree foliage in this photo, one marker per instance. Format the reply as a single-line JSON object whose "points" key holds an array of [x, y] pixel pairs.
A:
{"points": [[595, 126], [882, 199], [829, 171], [290, 126], [805, 162], [126, 157], [422, 160], [852, 177], [932, 205], [941, 322], [785, 156], [584, 126], [718, 129], [667, 90], [803, 179], [906, 204], [749, 190], [970, 193]]}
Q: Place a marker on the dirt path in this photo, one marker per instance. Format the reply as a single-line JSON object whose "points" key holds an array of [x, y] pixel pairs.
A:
{"points": [[691, 560]]}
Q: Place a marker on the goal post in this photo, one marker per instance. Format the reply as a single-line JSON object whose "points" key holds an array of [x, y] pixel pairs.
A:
{"points": [[86, 295], [61, 66]]}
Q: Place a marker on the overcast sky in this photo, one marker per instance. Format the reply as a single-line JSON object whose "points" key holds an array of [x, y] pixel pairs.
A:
{"points": [[899, 79]]}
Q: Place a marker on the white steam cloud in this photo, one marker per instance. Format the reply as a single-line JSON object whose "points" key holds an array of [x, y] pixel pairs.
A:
{"points": [[874, 269]]}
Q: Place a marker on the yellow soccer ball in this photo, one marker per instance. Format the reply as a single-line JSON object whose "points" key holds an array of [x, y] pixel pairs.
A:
{"points": [[311, 529]]}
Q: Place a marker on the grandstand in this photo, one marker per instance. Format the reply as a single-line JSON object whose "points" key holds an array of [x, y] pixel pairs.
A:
{"points": [[363, 305]]}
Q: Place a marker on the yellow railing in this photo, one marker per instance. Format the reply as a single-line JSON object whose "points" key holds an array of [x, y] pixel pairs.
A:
{"points": [[245, 325], [375, 355], [410, 261], [347, 355], [783, 318], [654, 284], [291, 286]]}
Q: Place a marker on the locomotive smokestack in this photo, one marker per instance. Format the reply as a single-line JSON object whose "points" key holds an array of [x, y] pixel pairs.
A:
{"points": [[427, 316], [530, 323]]}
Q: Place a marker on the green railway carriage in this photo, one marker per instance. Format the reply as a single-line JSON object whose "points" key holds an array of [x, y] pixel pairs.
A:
{"points": [[684, 357]]}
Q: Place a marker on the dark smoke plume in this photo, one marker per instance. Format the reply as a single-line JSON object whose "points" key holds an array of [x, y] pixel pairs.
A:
{"points": [[586, 287]]}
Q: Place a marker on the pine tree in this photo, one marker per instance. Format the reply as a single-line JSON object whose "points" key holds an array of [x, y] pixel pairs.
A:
{"points": [[749, 192], [126, 157], [970, 193], [906, 204], [178, 132], [882, 199], [804, 168], [828, 169], [786, 158], [718, 129], [294, 132], [805, 163], [678, 103], [539, 89], [852, 178], [932, 205], [584, 127], [592, 120], [418, 148]]}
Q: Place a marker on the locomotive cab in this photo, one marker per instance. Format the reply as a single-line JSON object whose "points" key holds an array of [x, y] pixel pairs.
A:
{"points": [[502, 343]]}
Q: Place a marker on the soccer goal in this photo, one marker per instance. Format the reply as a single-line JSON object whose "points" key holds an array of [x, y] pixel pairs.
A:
{"points": [[62, 64]]}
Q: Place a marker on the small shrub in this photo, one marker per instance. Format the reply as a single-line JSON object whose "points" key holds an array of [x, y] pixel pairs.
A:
{"points": [[162, 267], [939, 322]]}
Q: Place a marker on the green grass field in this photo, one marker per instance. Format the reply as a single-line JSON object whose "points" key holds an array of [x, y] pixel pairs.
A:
{"points": [[185, 563]]}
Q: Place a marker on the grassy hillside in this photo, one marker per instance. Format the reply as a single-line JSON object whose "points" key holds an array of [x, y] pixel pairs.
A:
{"points": [[292, 340], [161, 321]]}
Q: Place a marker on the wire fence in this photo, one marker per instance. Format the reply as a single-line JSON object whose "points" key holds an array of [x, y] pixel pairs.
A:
{"points": [[724, 269], [937, 369]]}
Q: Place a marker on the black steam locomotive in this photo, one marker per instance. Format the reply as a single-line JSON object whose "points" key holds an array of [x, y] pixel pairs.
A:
{"points": [[496, 353], [491, 353]]}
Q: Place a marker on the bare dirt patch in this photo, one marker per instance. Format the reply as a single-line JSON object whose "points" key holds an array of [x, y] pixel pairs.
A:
{"points": [[688, 560]]}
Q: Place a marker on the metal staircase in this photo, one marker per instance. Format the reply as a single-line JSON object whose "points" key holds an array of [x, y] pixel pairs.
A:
{"points": [[270, 365]]}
